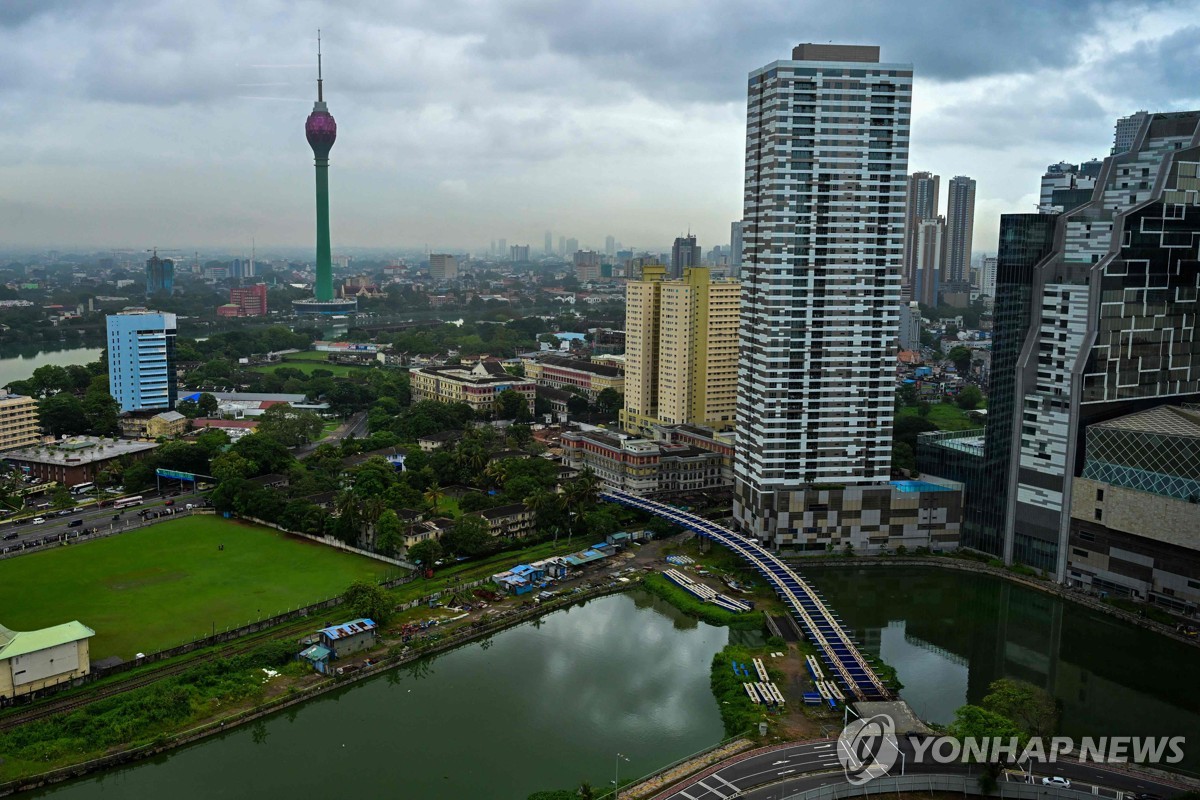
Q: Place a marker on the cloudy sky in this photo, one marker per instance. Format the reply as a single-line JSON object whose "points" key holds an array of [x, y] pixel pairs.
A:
{"points": [[132, 123]]}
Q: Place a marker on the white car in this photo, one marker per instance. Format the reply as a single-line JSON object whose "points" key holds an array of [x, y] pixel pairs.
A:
{"points": [[1057, 782], [39, 521]]}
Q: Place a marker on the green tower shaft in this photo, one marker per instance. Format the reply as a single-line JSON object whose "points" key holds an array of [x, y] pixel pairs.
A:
{"points": [[324, 285]]}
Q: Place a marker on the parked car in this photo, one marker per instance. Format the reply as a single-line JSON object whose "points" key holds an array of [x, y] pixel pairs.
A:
{"points": [[66, 512], [39, 521], [8, 537], [1057, 782]]}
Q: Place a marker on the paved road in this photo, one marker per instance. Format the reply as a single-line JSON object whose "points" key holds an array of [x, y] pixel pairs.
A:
{"points": [[799, 767], [55, 527], [355, 426]]}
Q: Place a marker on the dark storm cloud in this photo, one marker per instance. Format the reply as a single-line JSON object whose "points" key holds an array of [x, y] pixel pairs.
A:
{"points": [[463, 116], [1157, 74]]}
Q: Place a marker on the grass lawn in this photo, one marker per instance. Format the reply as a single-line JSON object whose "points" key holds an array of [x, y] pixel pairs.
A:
{"points": [[448, 507], [947, 416], [307, 367], [155, 588]]}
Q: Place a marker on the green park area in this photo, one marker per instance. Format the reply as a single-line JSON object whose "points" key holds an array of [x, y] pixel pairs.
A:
{"points": [[945, 416], [169, 583], [309, 360]]}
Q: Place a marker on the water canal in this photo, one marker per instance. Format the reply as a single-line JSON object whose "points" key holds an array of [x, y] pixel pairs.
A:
{"points": [[950, 634], [542, 706], [549, 704]]}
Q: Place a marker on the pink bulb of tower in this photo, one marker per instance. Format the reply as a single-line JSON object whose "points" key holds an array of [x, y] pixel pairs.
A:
{"points": [[321, 130]]}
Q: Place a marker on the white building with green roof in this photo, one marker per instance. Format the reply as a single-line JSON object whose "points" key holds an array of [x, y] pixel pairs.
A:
{"points": [[33, 660]]}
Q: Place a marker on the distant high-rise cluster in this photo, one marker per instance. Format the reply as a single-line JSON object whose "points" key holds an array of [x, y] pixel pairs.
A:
{"points": [[735, 249], [937, 249]]}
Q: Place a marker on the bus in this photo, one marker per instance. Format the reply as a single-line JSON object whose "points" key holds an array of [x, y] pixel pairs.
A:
{"points": [[128, 502], [81, 488]]}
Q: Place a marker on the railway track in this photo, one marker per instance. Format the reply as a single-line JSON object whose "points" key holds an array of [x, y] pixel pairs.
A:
{"points": [[16, 718]]}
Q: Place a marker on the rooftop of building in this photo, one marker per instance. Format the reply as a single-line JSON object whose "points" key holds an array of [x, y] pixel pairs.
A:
{"points": [[582, 365], [79, 450], [19, 643], [1181, 421], [351, 628], [482, 372], [502, 511]]}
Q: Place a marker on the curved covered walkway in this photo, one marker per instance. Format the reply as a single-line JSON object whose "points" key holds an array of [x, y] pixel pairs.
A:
{"points": [[838, 651]]}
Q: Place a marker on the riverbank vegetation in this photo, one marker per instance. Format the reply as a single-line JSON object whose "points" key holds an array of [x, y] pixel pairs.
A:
{"points": [[143, 715], [738, 714], [689, 604]]}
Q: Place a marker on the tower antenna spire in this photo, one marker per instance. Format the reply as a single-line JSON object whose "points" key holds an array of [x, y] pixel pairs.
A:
{"points": [[320, 88]]}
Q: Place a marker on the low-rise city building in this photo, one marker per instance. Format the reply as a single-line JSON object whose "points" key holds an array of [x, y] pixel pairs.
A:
{"points": [[167, 424], [563, 372], [644, 466], [77, 460], [34, 660], [512, 521], [349, 637], [478, 386]]}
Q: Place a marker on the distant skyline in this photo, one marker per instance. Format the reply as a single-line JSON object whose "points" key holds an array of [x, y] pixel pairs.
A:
{"points": [[137, 123]]}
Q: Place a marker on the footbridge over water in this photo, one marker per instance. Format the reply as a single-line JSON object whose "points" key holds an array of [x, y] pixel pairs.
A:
{"points": [[842, 657]]}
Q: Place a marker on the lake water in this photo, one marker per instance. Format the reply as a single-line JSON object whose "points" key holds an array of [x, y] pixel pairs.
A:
{"points": [[542, 706], [21, 364], [950, 634]]}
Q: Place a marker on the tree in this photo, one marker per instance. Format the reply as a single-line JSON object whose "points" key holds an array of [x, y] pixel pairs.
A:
{"points": [[102, 411], [207, 404], [1031, 707], [977, 722], [434, 495], [969, 397], [961, 356], [469, 537], [51, 378], [519, 435], [546, 507], [229, 466], [289, 426], [62, 415], [426, 553], [903, 457], [188, 408], [907, 428], [389, 533], [577, 404], [368, 600], [610, 401], [265, 451], [511, 405]]}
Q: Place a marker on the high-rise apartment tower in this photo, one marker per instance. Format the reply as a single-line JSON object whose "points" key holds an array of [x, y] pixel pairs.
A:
{"points": [[681, 350], [826, 159]]}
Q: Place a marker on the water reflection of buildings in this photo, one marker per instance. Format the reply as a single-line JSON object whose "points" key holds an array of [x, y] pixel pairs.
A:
{"points": [[939, 628]]}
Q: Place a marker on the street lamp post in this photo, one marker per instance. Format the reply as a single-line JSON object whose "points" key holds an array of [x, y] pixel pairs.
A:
{"points": [[617, 775]]}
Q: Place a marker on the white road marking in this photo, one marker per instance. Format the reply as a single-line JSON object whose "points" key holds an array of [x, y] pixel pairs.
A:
{"points": [[777, 763]]}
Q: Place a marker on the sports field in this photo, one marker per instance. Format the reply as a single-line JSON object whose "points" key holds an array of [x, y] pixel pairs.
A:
{"points": [[168, 583], [310, 360]]}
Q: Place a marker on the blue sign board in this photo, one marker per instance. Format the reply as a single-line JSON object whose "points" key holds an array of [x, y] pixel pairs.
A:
{"points": [[177, 475]]}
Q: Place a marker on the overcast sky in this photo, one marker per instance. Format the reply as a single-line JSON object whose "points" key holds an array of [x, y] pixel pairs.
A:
{"points": [[133, 123]]}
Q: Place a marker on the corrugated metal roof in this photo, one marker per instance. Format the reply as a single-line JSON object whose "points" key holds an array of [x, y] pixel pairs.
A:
{"points": [[352, 628], [19, 643]]}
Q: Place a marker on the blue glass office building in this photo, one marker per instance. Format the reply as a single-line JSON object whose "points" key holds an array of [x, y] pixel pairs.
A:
{"points": [[141, 360]]}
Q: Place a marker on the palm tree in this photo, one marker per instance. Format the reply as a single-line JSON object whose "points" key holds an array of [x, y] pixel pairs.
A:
{"points": [[584, 490], [434, 495], [544, 505], [498, 471]]}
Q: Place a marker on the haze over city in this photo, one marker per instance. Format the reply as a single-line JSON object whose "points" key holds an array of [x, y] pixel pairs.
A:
{"points": [[135, 122]]}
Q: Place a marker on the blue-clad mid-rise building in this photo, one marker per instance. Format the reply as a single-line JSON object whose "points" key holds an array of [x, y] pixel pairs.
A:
{"points": [[141, 360]]}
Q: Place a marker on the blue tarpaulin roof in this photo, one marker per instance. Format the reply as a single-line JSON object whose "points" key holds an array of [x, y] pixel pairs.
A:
{"points": [[316, 653], [351, 628]]}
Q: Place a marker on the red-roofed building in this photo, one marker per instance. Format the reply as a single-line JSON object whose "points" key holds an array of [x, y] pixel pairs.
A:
{"points": [[246, 301]]}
